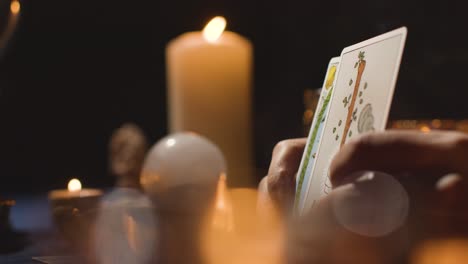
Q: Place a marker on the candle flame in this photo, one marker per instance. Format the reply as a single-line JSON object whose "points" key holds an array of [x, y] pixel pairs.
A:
{"points": [[15, 7], [74, 185], [214, 29]]}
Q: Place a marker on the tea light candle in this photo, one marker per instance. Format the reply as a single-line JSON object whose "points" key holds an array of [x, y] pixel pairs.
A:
{"points": [[75, 196], [209, 92]]}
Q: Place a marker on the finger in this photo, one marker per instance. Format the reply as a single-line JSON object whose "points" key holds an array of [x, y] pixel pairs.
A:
{"points": [[399, 152], [318, 232], [263, 199], [287, 155], [284, 164]]}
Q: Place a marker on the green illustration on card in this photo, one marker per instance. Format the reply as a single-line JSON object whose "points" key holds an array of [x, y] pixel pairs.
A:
{"points": [[321, 115], [320, 118]]}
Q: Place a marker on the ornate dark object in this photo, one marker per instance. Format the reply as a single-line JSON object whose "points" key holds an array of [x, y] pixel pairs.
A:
{"points": [[127, 149]]}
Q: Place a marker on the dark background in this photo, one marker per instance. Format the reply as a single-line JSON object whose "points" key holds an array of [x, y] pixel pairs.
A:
{"points": [[76, 70]]}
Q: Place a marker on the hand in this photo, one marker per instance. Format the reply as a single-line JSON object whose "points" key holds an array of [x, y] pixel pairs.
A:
{"points": [[421, 161], [429, 155], [396, 152], [280, 184], [418, 160]]}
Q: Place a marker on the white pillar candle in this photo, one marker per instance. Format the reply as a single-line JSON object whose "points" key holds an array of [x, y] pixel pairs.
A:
{"points": [[209, 79]]}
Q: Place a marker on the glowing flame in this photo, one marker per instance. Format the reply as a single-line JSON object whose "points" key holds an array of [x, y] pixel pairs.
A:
{"points": [[74, 185], [214, 29], [15, 7]]}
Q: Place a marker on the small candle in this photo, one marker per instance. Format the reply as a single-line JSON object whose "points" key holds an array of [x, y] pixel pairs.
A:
{"points": [[74, 190], [209, 92], [74, 211], [74, 196]]}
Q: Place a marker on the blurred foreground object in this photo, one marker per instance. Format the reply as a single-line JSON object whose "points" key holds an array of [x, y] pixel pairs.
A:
{"points": [[209, 77], [442, 251], [357, 223], [375, 207], [126, 229], [127, 149], [235, 232], [180, 175]]}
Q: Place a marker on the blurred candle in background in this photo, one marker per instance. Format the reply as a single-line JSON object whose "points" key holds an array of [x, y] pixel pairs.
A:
{"points": [[209, 76], [15, 8]]}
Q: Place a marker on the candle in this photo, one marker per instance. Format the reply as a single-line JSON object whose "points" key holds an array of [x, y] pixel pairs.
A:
{"points": [[209, 80], [75, 197], [73, 212], [13, 19]]}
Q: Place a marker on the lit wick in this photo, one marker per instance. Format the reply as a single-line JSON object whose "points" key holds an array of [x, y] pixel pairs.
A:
{"points": [[214, 29], [74, 185]]}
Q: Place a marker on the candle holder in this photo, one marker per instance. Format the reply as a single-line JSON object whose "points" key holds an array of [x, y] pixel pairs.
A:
{"points": [[74, 213]]}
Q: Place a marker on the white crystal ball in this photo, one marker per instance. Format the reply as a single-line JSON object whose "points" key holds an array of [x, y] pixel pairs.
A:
{"points": [[182, 159]]}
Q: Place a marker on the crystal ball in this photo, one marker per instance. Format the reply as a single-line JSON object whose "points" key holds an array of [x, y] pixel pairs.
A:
{"points": [[182, 159]]}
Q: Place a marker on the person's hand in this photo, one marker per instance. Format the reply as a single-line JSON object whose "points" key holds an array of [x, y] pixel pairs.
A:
{"points": [[402, 152], [418, 160], [280, 183], [421, 162], [428, 155]]}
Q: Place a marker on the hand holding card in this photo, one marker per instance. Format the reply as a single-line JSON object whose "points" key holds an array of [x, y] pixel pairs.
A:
{"points": [[363, 91]]}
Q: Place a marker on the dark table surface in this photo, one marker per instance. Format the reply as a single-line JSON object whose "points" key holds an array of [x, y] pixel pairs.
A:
{"points": [[32, 223]]}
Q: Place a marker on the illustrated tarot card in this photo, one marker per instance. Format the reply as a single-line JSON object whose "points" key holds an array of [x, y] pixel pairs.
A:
{"points": [[315, 134], [361, 100]]}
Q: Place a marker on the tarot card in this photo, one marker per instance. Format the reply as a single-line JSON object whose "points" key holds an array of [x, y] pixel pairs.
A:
{"points": [[360, 102], [315, 134]]}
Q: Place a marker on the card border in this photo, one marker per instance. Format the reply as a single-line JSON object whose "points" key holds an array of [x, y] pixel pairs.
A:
{"points": [[334, 60]]}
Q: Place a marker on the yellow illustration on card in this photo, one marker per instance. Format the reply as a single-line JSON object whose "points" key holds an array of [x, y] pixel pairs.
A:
{"points": [[331, 77]]}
